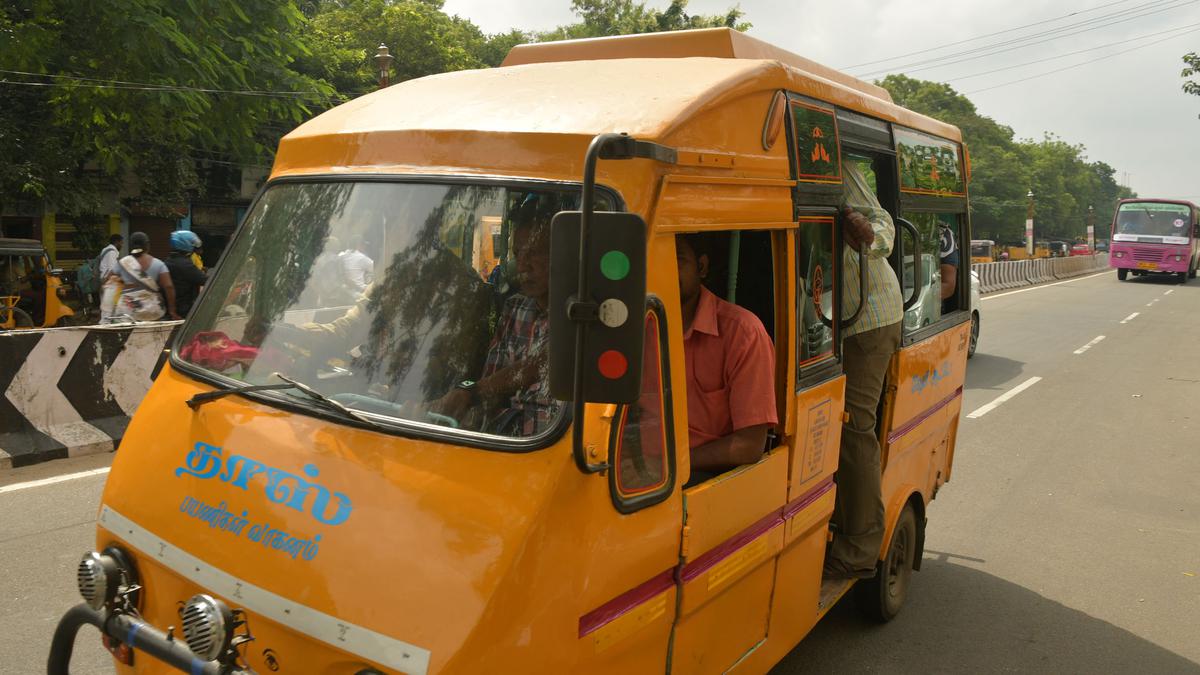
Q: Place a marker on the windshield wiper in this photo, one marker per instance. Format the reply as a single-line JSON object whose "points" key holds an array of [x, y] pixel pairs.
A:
{"points": [[288, 383]]}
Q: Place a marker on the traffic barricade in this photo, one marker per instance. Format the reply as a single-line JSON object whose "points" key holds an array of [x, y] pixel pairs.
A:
{"points": [[71, 391]]}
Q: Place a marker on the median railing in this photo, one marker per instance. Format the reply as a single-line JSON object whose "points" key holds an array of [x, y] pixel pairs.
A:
{"points": [[999, 276]]}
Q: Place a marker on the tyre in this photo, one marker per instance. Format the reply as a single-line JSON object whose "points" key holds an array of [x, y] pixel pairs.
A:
{"points": [[974, 334], [1182, 277], [1122, 274], [881, 598], [21, 319]]}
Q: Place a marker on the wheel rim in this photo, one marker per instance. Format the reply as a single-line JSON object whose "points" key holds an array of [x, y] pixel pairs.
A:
{"points": [[974, 333], [899, 565]]}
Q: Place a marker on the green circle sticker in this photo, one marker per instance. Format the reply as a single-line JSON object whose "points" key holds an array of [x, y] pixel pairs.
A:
{"points": [[614, 265]]}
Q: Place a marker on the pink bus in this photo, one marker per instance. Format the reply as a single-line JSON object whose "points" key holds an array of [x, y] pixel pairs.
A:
{"points": [[1155, 236]]}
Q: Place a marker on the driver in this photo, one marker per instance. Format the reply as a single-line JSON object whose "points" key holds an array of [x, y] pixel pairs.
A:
{"points": [[513, 389]]}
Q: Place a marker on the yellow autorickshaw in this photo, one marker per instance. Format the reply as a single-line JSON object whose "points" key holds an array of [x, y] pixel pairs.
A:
{"points": [[289, 503], [31, 291]]}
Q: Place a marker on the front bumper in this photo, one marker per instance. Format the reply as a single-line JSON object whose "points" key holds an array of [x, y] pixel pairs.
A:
{"points": [[132, 631]]}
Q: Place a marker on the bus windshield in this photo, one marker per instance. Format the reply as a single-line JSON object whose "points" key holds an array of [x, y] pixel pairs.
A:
{"points": [[415, 303], [981, 248], [1153, 219]]}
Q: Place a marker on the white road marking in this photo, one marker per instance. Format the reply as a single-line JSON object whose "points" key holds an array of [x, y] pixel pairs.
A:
{"points": [[51, 481], [1089, 345], [1151, 303], [980, 412], [1169, 292], [1131, 317], [1035, 288]]}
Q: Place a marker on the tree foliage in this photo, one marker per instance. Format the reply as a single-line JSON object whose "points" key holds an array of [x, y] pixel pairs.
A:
{"points": [[599, 18], [98, 92], [1064, 182], [1191, 69]]}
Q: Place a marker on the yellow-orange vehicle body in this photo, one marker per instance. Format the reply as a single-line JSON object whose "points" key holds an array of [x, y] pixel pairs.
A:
{"points": [[25, 268], [464, 560]]}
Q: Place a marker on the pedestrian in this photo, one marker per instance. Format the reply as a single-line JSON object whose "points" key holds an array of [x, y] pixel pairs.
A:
{"points": [[187, 279], [145, 280], [110, 281], [359, 267], [867, 348]]}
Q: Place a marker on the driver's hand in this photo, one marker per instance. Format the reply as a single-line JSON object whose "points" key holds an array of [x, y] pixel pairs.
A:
{"points": [[454, 404]]}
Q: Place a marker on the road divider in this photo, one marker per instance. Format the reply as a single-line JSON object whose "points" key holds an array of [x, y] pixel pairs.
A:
{"points": [[66, 392], [999, 276]]}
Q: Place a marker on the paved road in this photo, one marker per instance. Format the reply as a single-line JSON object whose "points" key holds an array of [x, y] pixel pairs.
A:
{"points": [[1068, 540]]}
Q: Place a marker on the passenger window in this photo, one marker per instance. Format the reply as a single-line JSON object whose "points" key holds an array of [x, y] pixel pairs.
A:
{"points": [[940, 245], [816, 282], [643, 438]]}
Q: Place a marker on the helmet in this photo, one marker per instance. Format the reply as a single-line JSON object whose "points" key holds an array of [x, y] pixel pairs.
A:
{"points": [[184, 240]]}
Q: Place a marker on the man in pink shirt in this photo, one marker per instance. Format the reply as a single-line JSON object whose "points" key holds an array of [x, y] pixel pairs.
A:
{"points": [[730, 371]]}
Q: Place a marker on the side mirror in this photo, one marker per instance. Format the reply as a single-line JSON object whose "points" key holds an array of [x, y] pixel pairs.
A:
{"points": [[597, 338]]}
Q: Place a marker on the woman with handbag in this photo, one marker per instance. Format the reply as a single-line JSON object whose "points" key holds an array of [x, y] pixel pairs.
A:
{"points": [[145, 280]]}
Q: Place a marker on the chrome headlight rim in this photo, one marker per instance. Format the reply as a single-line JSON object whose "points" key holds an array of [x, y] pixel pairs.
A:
{"points": [[207, 625]]}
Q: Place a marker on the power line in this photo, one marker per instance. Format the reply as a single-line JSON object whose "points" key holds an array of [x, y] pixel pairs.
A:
{"points": [[1031, 40], [78, 82], [980, 37], [1081, 51], [1078, 65]]}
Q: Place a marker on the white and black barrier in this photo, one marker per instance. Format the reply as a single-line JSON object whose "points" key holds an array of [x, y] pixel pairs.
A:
{"points": [[71, 391], [999, 276]]}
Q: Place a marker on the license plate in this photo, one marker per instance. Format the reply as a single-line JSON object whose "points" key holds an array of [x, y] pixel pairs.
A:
{"points": [[1147, 266]]}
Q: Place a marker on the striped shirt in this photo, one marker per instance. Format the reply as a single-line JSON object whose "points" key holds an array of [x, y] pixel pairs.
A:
{"points": [[884, 303]]}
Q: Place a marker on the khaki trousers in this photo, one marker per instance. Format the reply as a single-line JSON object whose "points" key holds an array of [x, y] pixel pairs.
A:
{"points": [[858, 512]]}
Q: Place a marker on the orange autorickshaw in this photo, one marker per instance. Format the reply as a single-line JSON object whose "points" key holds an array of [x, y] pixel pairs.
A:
{"points": [[289, 503]]}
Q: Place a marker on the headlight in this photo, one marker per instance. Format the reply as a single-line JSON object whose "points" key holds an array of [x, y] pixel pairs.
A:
{"points": [[98, 578], [1119, 254], [207, 626], [1178, 258]]}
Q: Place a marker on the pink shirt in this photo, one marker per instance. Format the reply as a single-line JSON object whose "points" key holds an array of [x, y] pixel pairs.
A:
{"points": [[730, 371]]}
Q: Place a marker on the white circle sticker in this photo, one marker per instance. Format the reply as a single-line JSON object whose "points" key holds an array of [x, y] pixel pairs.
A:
{"points": [[1179, 222], [613, 313]]}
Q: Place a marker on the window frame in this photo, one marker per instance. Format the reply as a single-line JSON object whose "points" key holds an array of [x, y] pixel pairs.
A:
{"points": [[386, 423], [626, 503]]}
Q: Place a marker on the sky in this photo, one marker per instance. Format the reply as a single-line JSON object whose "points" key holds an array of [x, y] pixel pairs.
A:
{"points": [[1121, 98]]}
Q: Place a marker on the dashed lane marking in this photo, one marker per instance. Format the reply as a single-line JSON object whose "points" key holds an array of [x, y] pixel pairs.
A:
{"points": [[1089, 345], [1131, 317], [983, 410], [1169, 292]]}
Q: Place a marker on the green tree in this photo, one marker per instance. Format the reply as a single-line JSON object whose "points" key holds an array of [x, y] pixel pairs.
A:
{"points": [[599, 18], [98, 92], [1191, 69]]}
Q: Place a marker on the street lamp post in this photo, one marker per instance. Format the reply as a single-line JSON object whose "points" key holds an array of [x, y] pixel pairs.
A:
{"points": [[383, 60], [1029, 249], [1091, 229]]}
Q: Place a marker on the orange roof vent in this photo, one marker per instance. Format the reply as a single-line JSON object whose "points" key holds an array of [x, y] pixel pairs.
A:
{"points": [[724, 43]]}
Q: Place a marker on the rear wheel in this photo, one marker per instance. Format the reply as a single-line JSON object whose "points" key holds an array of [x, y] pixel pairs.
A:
{"points": [[1122, 274], [882, 597]]}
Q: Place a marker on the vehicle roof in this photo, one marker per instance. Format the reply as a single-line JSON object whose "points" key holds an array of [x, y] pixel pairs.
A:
{"points": [[9, 245], [1133, 200], [649, 98]]}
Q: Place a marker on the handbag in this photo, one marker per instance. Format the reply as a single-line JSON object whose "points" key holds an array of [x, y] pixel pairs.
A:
{"points": [[143, 304]]}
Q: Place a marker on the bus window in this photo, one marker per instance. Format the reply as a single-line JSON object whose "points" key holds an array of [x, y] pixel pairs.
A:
{"points": [[940, 237]]}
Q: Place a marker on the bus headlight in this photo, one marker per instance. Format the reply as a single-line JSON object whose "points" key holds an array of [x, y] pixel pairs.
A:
{"points": [[1119, 254], [207, 626], [1178, 258], [98, 578]]}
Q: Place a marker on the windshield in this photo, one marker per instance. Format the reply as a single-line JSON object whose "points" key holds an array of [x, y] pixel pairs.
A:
{"points": [[981, 249], [1153, 219], [418, 302]]}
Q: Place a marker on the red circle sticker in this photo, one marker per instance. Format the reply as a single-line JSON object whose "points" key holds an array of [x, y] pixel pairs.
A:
{"points": [[613, 364]]}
